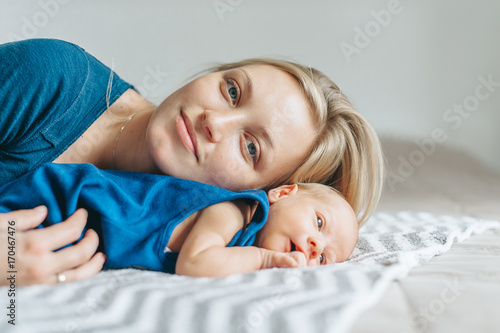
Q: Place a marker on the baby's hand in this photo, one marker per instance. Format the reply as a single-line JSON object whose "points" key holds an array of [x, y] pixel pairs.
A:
{"points": [[279, 259], [299, 257]]}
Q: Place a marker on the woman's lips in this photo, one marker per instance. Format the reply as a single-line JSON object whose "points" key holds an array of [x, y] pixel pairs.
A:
{"points": [[186, 133]]}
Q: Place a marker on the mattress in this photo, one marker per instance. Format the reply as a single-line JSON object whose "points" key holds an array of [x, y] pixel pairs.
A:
{"points": [[428, 261]]}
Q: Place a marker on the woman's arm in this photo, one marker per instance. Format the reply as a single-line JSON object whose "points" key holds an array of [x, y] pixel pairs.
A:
{"points": [[204, 252], [31, 251]]}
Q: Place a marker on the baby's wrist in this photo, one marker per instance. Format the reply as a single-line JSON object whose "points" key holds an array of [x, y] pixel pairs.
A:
{"points": [[269, 258], [262, 258], [265, 258]]}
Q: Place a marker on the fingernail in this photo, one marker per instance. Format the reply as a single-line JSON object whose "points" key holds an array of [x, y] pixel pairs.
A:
{"points": [[40, 209]]}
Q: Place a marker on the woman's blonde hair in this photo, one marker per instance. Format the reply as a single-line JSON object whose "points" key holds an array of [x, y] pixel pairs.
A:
{"points": [[346, 154]]}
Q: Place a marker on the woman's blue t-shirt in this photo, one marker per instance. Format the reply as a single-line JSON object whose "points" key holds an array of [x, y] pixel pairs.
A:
{"points": [[51, 91], [133, 213]]}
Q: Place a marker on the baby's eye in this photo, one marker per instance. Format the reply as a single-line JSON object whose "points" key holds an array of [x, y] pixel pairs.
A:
{"points": [[321, 259], [320, 222], [232, 90]]}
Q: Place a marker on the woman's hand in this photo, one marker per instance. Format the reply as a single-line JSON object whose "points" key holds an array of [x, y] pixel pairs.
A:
{"points": [[31, 251]]}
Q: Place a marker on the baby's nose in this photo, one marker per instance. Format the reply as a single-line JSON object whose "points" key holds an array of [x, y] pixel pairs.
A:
{"points": [[316, 247]]}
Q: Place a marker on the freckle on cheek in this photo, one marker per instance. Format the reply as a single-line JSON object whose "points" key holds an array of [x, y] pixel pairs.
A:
{"points": [[225, 174], [220, 179]]}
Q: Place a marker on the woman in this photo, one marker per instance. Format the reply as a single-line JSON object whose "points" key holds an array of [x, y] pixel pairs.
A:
{"points": [[253, 124]]}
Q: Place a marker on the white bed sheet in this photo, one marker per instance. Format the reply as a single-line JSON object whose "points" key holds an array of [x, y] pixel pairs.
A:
{"points": [[448, 182]]}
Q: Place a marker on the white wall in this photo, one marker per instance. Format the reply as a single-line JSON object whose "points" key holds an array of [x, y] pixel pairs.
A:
{"points": [[419, 63]]}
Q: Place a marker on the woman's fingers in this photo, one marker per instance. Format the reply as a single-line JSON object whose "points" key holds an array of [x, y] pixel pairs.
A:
{"points": [[79, 262], [41, 266], [78, 254], [60, 234], [85, 271], [36, 261], [23, 219]]}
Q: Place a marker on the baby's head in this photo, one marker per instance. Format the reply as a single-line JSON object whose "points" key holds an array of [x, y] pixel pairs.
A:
{"points": [[311, 218]]}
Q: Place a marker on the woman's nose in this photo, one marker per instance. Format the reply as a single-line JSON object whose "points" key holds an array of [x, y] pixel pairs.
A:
{"points": [[316, 247], [215, 125]]}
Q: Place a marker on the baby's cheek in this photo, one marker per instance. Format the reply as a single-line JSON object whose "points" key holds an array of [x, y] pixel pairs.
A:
{"points": [[258, 240]]}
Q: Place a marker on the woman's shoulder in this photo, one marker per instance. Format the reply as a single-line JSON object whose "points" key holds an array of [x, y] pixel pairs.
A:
{"points": [[42, 57], [38, 77], [51, 64], [36, 70], [37, 45], [51, 92]]}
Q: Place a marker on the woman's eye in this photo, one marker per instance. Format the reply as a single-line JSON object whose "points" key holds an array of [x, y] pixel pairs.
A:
{"points": [[252, 149], [320, 222], [232, 90]]}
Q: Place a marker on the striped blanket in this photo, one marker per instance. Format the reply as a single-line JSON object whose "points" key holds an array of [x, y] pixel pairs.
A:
{"points": [[315, 299]]}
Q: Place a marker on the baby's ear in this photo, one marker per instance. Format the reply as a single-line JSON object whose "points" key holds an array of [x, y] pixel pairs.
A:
{"points": [[281, 192]]}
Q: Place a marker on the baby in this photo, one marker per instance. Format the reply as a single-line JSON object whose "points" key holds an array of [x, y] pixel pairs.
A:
{"points": [[179, 226]]}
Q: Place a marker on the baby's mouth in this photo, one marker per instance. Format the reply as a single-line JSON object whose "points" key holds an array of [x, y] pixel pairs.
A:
{"points": [[292, 247]]}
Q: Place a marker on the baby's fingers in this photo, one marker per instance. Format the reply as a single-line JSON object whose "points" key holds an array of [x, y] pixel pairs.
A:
{"points": [[299, 257], [284, 260]]}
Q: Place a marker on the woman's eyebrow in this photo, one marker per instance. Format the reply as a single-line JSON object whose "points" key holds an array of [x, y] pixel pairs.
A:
{"points": [[248, 83]]}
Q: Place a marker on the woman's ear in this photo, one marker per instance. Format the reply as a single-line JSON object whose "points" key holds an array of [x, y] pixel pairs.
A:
{"points": [[281, 192]]}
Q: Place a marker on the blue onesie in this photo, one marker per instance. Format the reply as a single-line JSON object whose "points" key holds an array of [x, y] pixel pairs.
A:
{"points": [[133, 213]]}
